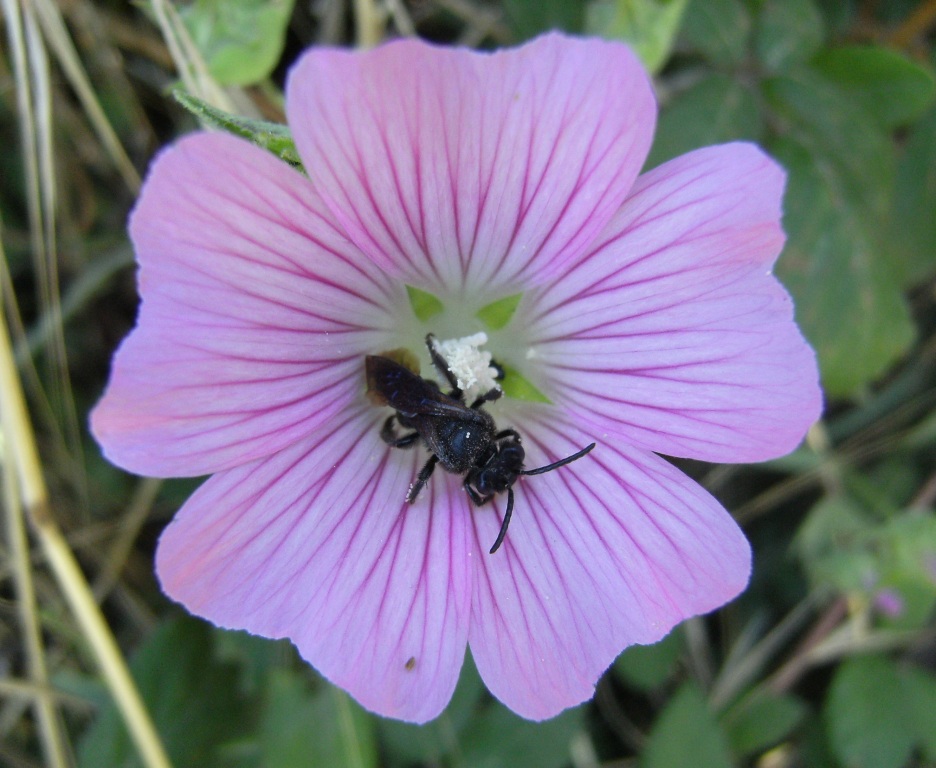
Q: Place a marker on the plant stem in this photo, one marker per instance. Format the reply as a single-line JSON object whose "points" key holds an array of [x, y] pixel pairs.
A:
{"points": [[368, 23], [917, 24], [50, 730]]}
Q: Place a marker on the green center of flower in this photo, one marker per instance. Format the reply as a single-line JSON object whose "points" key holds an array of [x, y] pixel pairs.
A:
{"points": [[454, 320]]}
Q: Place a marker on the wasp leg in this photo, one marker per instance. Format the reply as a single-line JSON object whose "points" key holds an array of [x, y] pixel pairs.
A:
{"points": [[422, 478], [491, 394], [389, 435], [507, 514], [508, 433], [442, 366]]}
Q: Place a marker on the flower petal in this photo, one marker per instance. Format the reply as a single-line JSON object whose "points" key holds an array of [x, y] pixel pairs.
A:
{"points": [[256, 313], [611, 550], [672, 332], [450, 166], [317, 544]]}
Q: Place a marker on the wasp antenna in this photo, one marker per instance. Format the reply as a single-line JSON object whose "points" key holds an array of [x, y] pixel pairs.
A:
{"points": [[507, 514], [560, 463]]}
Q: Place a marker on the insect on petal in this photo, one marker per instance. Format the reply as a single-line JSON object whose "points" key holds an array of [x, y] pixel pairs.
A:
{"points": [[612, 550], [275, 346], [317, 544]]}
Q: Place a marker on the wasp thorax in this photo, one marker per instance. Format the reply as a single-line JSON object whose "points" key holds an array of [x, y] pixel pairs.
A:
{"points": [[461, 444]]}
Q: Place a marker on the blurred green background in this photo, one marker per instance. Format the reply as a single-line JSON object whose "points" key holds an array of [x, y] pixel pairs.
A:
{"points": [[829, 658]]}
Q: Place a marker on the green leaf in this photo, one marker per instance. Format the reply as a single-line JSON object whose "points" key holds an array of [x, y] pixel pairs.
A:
{"points": [[834, 524], [915, 600], [813, 744], [498, 314], [890, 87], [242, 41], [827, 121], [840, 166], [516, 385], [840, 15], [870, 721], [913, 220], [905, 551], [831, 544], [530, 18], [686, 733], [759, 722], [787, 32], [648, 26], [888, 486], [860, 554], [300, 727], [718, 29], [425, 305], [920, 689], [716, 109], [649, 666], [256, 657], [497, 737], [274, 137], [848, 302], [193, 699]]}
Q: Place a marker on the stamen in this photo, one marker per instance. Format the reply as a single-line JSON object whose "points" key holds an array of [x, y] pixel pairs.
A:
{"points": [[470, 366]]}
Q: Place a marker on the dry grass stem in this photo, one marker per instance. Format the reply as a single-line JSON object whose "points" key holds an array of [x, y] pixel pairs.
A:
{"points": [[50, 727], [130, 524], [56, 33], [29, 480], [368, 23]]}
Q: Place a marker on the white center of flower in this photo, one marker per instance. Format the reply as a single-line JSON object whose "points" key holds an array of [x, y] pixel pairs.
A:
{"points": [[470, 366]]}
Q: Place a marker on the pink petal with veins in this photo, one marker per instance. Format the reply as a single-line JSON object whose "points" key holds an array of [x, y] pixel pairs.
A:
{"points": [[317, 544], [256, 314], [671, 332], [611, 550], [460, 171], [650, 317]]}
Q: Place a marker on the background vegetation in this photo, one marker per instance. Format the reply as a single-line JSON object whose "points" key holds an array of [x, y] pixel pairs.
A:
{"points": [[829, 659]]}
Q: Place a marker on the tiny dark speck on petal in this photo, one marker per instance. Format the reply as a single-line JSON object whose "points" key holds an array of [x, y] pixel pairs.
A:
{"points": [[410, 663]]}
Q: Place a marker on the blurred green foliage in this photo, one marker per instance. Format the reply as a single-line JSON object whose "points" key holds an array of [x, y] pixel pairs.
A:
{"points": [[241, 41], [686, 733], [649, 27], [772, 72], [828, 660]]}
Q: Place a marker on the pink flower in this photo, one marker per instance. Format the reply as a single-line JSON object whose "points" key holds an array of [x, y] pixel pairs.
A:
{"points": [[889, 602], [649, 318]]}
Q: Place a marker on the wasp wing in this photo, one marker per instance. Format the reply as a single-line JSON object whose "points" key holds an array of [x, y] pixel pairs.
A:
{"points": [[389, 383]]}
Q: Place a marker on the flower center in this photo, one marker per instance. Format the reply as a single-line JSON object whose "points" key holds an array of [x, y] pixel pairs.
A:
{"points": [[462, 322], [470, 366]]}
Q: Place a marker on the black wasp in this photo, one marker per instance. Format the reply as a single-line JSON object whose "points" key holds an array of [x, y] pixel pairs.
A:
{"points": [[463, 440]]}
